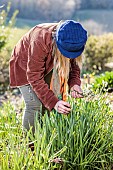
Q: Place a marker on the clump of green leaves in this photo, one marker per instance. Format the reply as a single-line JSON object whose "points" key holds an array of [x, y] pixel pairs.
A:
{"points": [[83, 140], [104, 82]]}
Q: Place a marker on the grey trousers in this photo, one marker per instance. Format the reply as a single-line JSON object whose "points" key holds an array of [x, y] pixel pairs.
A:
{"points": [[33, 105]]}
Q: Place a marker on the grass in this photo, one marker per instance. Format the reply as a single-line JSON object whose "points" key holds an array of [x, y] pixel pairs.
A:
{"points": [[83, 140]]}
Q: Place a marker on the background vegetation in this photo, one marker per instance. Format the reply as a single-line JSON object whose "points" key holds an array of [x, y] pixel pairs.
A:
{"points": [[99, 47], [98, 52], [5, 50], [54, 9], [95, 15]]}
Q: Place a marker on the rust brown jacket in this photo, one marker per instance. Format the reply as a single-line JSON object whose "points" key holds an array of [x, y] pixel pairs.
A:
{"points": [[32, 59]]}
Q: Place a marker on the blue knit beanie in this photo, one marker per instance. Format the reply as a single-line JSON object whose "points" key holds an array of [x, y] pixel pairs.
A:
{"points": [[71, 38]]}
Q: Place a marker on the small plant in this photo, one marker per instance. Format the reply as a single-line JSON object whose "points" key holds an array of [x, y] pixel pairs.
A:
{"points": [[104, 82]]}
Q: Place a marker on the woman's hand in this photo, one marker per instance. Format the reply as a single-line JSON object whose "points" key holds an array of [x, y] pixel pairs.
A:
{"points": [[76, 92], [62, 107]]}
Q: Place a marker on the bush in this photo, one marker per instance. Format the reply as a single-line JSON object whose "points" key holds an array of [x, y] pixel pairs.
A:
{"points": [[6, 25], [98, 51], [5, 52], [3, 35], [104, 82]]}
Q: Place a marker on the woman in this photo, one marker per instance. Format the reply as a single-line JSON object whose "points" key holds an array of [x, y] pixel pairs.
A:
{"points": [[44, 63]]}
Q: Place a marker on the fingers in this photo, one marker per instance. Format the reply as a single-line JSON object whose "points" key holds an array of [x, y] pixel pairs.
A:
{"points": [[76, 94], [62, 107], [64, 103]]}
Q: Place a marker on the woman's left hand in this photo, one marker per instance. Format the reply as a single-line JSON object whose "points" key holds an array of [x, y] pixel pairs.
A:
{"points": [[76, 92]]}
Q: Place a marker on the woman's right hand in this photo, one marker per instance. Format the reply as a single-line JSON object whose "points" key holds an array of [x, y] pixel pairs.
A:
{"points": [[62, 107]]}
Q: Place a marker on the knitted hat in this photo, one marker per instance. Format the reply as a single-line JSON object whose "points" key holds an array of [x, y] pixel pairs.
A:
{"points": [[71, 38]]}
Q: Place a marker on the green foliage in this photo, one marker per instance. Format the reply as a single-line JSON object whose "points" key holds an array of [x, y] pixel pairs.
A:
{"points": [[5, 26], [5, 51], [103, 82], [5, 55], [3, 35], [98, 51], [83, 140]]}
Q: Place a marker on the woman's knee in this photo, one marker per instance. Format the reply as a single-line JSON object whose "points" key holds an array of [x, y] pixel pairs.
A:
{"points": [[33, 108]]}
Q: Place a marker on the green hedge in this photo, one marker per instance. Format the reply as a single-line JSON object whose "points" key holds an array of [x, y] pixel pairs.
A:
{"points": [[98, 51]]}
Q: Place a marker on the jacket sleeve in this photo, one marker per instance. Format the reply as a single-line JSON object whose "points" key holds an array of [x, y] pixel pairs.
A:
{"points": [[35, 75], [74, 75]]}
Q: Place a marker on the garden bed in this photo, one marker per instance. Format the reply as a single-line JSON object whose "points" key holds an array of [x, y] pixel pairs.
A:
{"points": [[83, 140]]}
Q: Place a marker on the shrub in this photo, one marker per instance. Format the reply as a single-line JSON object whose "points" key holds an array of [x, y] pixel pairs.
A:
{"points": [[98, 51], [6, 25], [104, 82], [5, 33]]}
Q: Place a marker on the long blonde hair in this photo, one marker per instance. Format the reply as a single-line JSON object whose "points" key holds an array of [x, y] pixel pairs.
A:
{"points": [[61, 67], [61, 70]]}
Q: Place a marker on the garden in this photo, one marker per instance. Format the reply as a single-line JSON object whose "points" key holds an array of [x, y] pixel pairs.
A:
{"points": [[83, 140]]}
